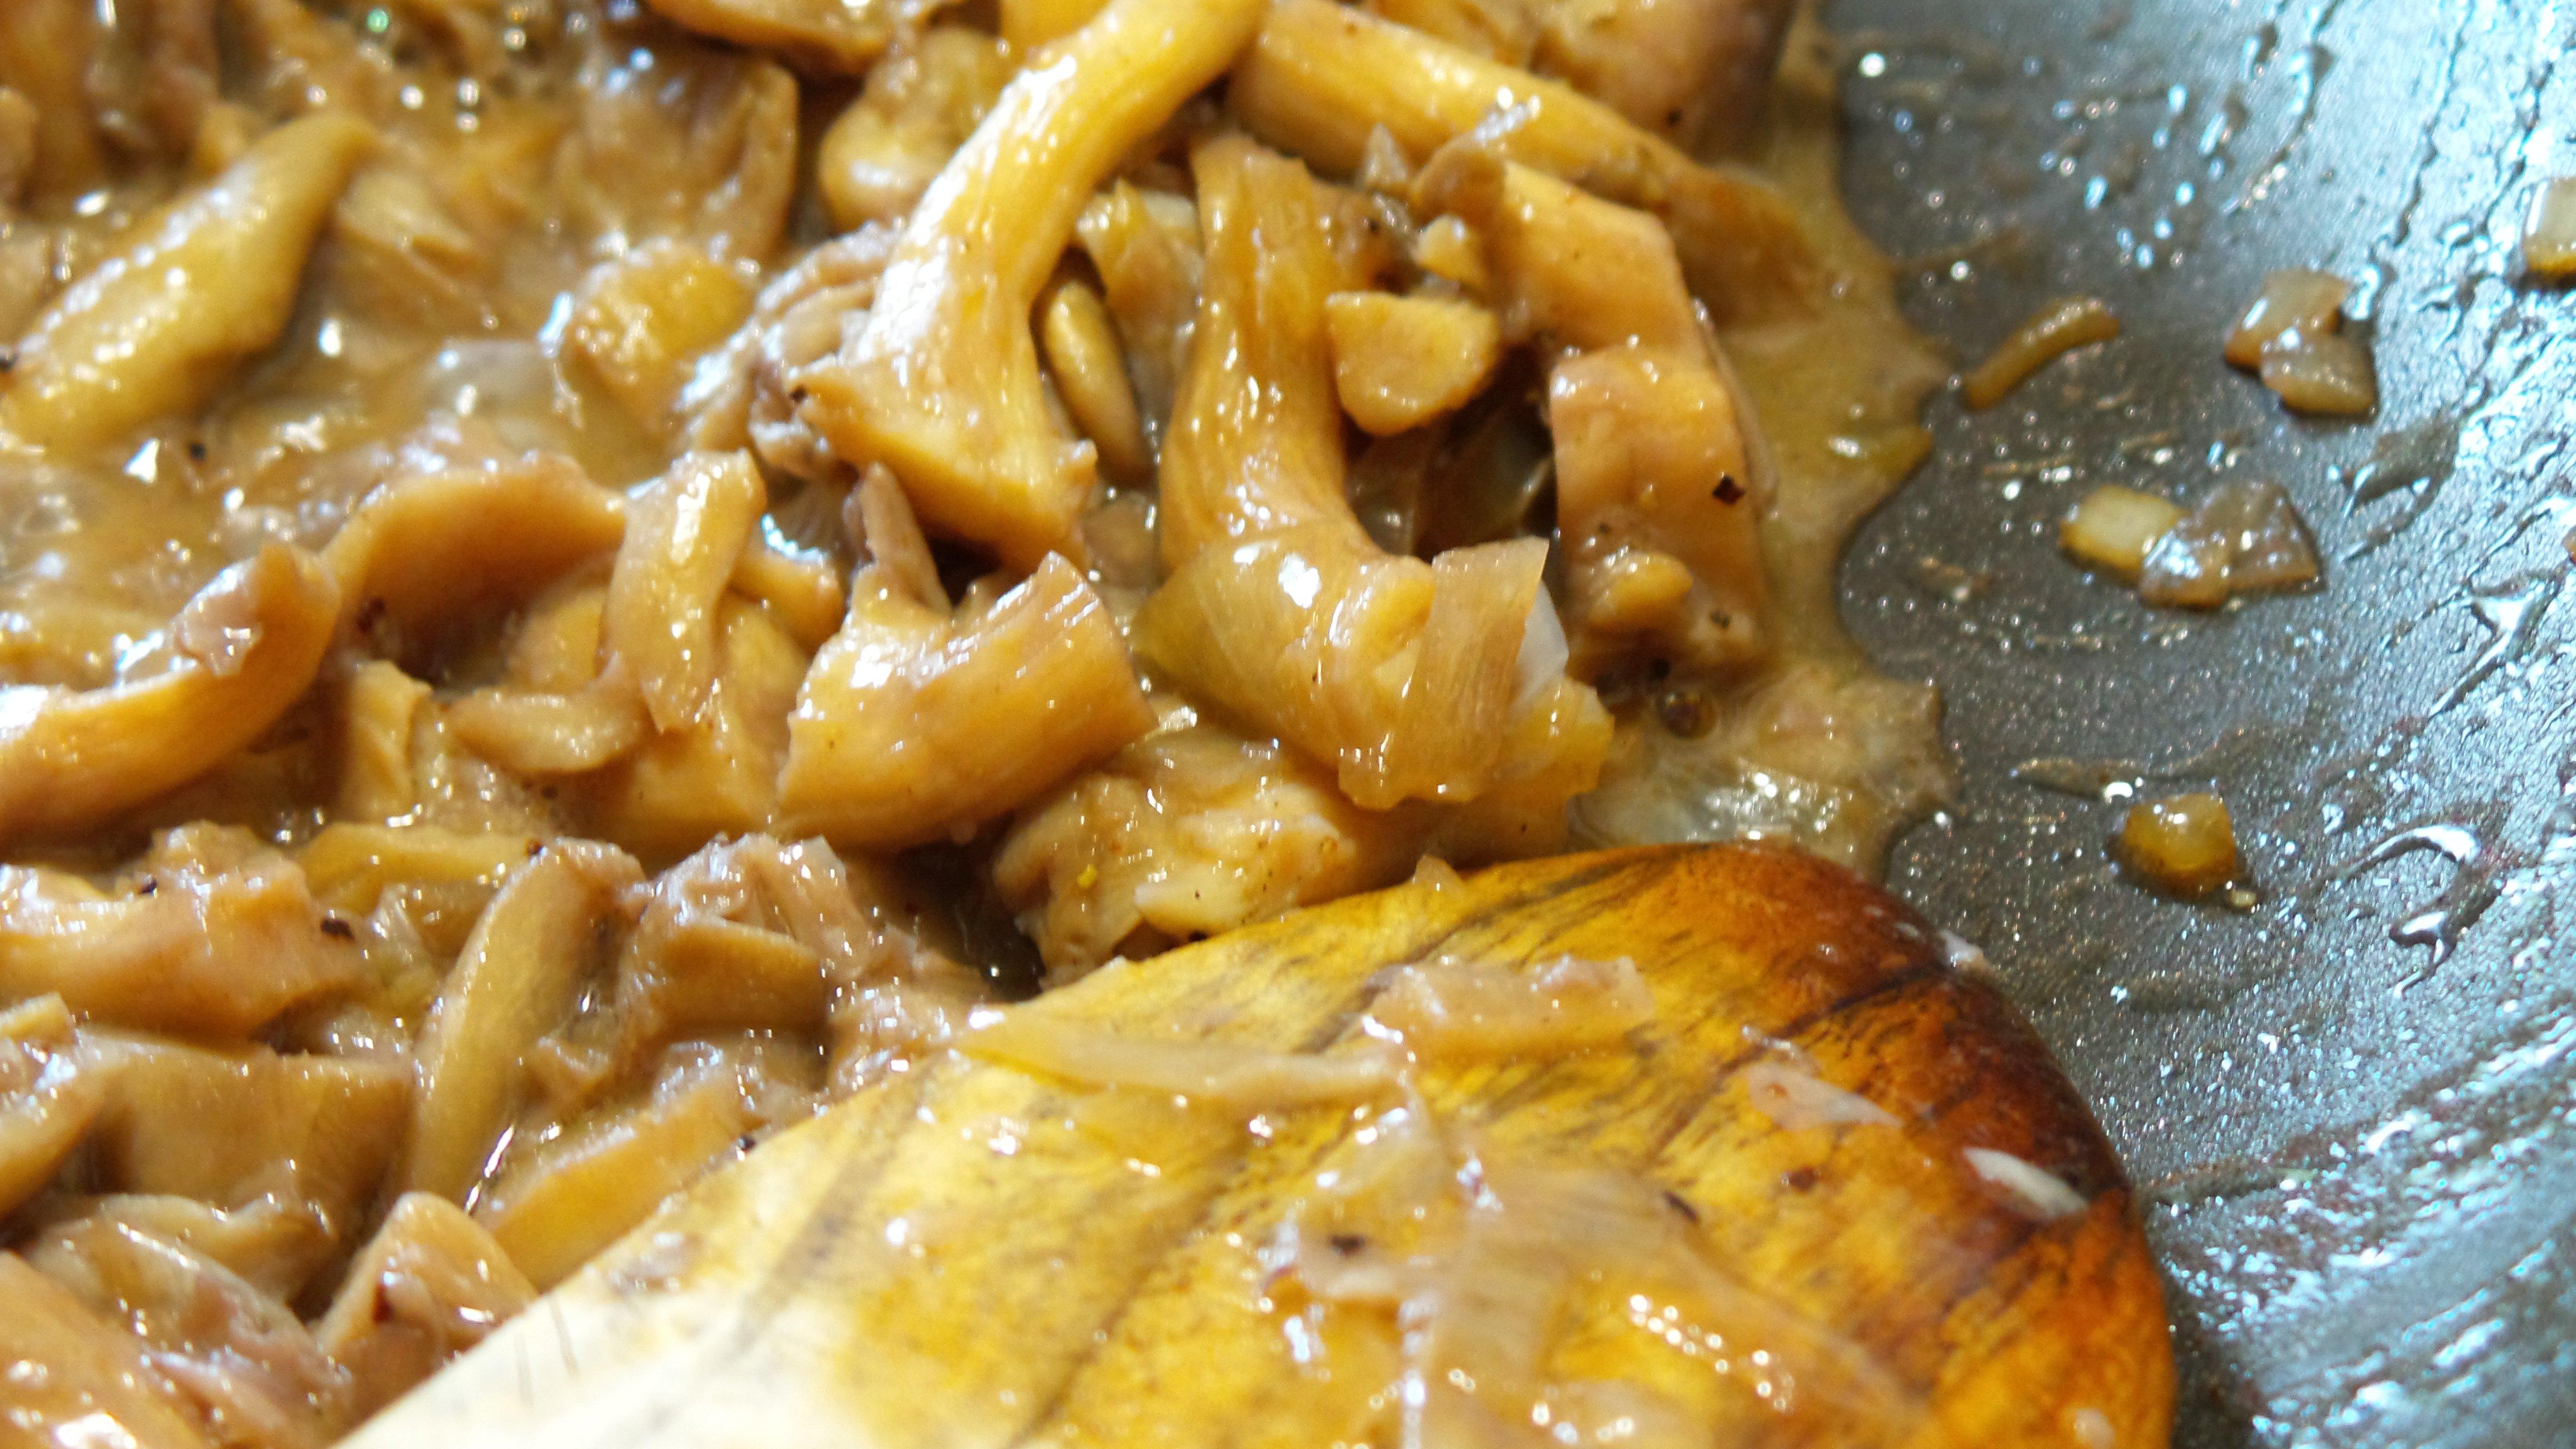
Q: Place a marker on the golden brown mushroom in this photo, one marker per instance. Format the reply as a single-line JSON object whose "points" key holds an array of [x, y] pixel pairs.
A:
{"points": [[156, 328], [826, 35], [1413, 681], [46, 1101], [428, 1286], [1322, 78], [917, 722], [232, 661], [516, 981], [1661, 484], [422, 553], [943, 386]]}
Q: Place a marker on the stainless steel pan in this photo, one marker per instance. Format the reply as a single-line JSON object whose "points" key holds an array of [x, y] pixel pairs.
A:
{"points": [[2352, 1108]]}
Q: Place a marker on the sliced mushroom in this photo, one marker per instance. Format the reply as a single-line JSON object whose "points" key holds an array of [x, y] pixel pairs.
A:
{"points": [[717, 775], [943, 386], [685, 534], [1322, 79], [46, 1101], [576, 1195], [883, 152], [425, 552], [157, 327], [1695, 72], [639, 320], [826, 35], [378, 708], [428, 1286], [517, 980], [1407, 677], [229, 1127], [94, 1371], [547, 732], [234, 1353], [1184, 834], [917, 723], [1661, 485], [235, 658], [1145, 245]]}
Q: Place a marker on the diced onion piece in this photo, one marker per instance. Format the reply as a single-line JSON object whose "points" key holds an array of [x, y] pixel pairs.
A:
{"points": [[1451, 1009], [2310, 301], [2186, 568], [1090, 373], [2113, 529], [2549, 233], [2186, 844], [2059, 328], [2326, 373], [1795, 1100], [2245, 537], [1401, 362], [2043, 1194], [1215, 1072], [1449, 249], [2268, 541]]}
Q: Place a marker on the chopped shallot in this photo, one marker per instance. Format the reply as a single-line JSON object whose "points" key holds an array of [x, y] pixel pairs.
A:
{"points": [[2549, 233], [1795, 1101], [2293, 335], [2040, 1192], [1247, 1078], [2058, 329], [1479, 1257], [1449, 1009]]}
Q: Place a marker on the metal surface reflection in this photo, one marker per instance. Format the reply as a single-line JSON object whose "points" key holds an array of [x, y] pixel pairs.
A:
{"points": [[2349, 1105]]}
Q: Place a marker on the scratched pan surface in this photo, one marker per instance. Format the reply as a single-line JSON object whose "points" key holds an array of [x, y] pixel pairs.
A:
{"points": [[2353, 1107]]}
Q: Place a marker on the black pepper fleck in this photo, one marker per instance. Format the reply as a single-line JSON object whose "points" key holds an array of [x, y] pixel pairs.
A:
{"points": [[1727, 491]]}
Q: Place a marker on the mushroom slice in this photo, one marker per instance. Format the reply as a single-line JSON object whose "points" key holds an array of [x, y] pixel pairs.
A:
{"points": [[917, 723], [234, 1352], [571, 1197], [680, 788], [885, 149], [232, 661], [685, 534], [827, 35], [1322, 78], [155, 328], [1406, 677], [421, 552], [1188, 833], [1145, 245], [95, 1374], [46, 1101], [1661, 483], [231, 1127], [1696, 72], [517, 980], [213, 935], [943, 385], [428, 1286]]}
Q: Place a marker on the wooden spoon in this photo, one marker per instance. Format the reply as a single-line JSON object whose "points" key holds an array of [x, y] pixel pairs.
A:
{"points": [[971, 1254]]}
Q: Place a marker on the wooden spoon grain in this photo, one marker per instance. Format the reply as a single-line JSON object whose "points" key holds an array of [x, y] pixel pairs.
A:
{"points": [[967, 1254]]}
